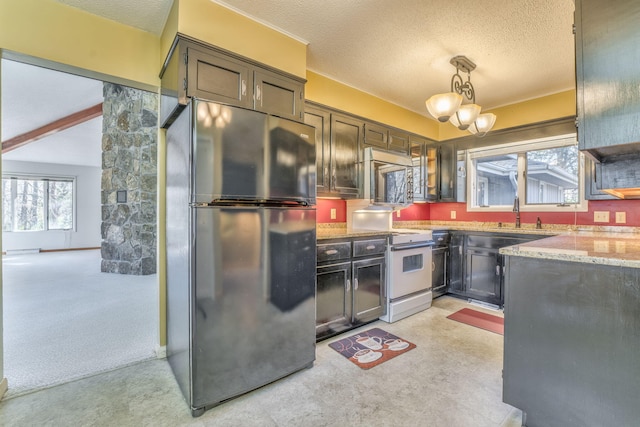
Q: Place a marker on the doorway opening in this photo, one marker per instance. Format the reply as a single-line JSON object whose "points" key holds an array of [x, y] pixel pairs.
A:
{"points": [[79, 261]]}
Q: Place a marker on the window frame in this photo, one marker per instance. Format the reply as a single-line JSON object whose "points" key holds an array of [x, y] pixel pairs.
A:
{"points": [[521, 148], [46, 179]]}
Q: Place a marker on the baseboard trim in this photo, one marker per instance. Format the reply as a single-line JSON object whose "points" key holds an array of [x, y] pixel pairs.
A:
{"points": [[4, 386], [161, 352], [68, 249]]}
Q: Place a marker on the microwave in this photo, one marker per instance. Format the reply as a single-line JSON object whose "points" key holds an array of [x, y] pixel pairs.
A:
{"points": [[388, 179]]}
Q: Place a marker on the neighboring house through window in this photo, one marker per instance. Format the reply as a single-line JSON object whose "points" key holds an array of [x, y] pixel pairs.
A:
{"points": [[546, 175]]}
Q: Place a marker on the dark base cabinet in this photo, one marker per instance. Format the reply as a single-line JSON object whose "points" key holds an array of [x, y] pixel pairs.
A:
{"points": [[571, 343], [440, 263], [333, 296], [476, 268], [350, 288]]}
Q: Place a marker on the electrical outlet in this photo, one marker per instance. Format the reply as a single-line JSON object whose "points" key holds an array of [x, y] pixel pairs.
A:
{"points": [[333, 213], [398, 214], [621, 217], [453, 214], [600, 216]]}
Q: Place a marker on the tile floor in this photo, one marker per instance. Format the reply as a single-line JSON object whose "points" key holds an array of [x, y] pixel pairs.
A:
{"points": [[452, 378]]}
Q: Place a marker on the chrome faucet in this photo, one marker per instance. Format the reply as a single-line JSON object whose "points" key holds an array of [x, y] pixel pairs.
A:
{"points": [[516, 209]]}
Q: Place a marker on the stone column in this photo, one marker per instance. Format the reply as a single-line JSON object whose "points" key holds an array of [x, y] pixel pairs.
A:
{"points": [[129, 180]]}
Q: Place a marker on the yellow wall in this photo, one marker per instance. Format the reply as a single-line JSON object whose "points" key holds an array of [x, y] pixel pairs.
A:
{"points": [[49, 30], [214, 24], [536, 110], [328, 92]]}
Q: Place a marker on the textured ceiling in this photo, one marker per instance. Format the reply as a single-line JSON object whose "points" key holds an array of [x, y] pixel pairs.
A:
{"points": [[400, 50], [397, 50]]}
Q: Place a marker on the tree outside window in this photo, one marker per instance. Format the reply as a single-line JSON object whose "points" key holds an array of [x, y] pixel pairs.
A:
{"points": [[37, 204]]}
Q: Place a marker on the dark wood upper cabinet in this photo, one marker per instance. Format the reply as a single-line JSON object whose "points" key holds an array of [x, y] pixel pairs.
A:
{"points": [[608, 76]]}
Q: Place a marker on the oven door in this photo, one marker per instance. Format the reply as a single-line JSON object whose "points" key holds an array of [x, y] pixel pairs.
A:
{"points": [[409, 270]]}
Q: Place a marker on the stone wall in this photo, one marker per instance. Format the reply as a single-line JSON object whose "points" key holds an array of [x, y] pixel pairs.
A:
{"points": [[129, 170]]}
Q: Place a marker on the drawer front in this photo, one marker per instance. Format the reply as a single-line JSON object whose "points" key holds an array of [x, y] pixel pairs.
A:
{"points": [[369, 247], [334, 251]]}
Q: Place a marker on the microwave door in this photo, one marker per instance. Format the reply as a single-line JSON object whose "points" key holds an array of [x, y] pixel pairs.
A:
{"points": [[391, 183]]}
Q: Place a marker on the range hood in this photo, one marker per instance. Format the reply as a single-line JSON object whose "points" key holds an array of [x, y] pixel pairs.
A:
{"points": [[619, 175]]}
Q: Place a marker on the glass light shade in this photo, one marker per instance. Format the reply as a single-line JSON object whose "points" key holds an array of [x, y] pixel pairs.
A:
{"points": [[465, 116], [483, 124], [443, 105]]}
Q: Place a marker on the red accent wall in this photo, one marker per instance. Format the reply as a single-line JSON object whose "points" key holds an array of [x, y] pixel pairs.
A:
{"points": [[442, 212], [323, 210], [415, 212]]}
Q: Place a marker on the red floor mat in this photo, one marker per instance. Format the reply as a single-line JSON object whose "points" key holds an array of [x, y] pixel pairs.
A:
{"points": [[479, 319]]}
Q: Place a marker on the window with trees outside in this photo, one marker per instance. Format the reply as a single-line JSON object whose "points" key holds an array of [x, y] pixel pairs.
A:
{"points": [[32, 203], [545, 174]]}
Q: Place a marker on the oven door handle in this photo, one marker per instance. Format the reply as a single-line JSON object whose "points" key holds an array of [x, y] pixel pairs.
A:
{"points": [[412, 246]]}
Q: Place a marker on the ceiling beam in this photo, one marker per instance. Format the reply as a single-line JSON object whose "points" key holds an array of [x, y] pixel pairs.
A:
{"points": [[51, 128]]}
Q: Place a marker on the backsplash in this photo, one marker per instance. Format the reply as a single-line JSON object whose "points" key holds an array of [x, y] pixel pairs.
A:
{"points": [[442, 212]]}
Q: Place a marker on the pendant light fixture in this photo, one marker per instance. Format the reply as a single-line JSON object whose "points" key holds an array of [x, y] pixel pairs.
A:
{"points": [[449, 107]]}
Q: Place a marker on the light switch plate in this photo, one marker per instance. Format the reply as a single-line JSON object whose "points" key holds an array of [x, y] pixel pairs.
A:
{"points": [[600, 216], [621, 217], [453, 214], [333, 213]]}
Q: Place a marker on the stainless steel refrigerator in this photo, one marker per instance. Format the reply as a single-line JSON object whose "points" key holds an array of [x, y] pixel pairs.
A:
{"points": [[241, 250]]}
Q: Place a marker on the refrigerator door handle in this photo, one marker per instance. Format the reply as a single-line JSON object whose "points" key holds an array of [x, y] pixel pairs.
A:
{"points": [[253, 203]]}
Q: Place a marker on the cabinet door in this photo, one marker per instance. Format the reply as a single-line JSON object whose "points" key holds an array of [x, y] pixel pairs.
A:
{"points": [[439, 257], [346, 136], [483, 274], [432, 173], [607, 74], [375, 136], [321, 120], [368, 289], [216, 78], [461, 176], [447, 160], [591, 191], [333, 299], [278, 95], [456, 264], [398, 141], [418, 158]]}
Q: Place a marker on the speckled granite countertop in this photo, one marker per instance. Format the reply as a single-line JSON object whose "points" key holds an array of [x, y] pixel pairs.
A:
{"points": [[342, 233], [615, 246], [605, 248]]}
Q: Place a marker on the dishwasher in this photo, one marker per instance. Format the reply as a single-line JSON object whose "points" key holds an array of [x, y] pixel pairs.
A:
{"points": [[440, 263]]}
